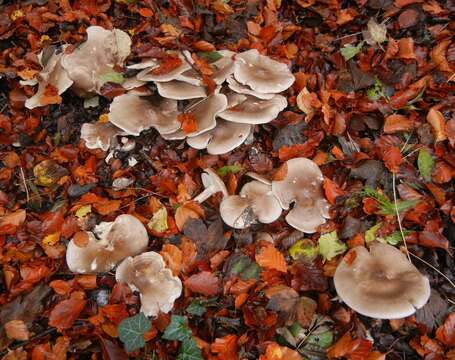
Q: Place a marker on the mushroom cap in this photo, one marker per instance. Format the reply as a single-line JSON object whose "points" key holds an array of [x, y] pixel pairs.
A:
{"points": [[147, 274], [99, 135], [261, 73], [234, 85], [211, 179], [302, 186], [126, 236], [224, 67], [259, 177], [225, 137], [148, 75], [255, 202], [133, 114], [253, 110], [98, 55], [144, 64], [180, 90], [52, 74], [381, 283]]}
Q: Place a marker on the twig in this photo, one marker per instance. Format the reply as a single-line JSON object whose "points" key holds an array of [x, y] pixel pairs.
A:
{"points": [[398, 217], [25, 184]]}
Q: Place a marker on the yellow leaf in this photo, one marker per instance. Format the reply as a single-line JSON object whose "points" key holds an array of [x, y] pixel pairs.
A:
{"points": [[103, 118], [51, 239], [44, 38], [17, 14], [83, 211], [158, 222]]}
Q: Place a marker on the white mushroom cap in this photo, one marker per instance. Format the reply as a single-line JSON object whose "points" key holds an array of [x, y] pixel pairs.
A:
{"points": [[224, 67], [180, 90], [133, 114], [255, 202], [259, 177], [303, 187], [51, 74], [255, 111], [126, 236], [381, 283], [99, 135], [243, 89], [103, 50], [190, 76], [225, 137], [212, 184], [261, 73], [145, 64], [147, 274], [148, 75]]}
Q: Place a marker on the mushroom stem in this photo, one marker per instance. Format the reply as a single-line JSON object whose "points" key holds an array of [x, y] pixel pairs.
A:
{"points": [[205, 194]]}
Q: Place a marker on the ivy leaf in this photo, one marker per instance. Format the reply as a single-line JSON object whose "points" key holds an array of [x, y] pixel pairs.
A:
{"points": [[330, 246], [210, 56], [131, 331], [189, 351], [233, 169], [196, 308], [177, 329], [112, 77], [349, 51], [425, 163]]}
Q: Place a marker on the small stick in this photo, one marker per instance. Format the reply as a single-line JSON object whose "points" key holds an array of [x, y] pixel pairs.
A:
{"points": [[398, 217], [25, 184]]}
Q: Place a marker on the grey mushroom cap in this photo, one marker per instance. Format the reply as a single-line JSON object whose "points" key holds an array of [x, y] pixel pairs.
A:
{"points": [[99, 135], [225, 137], [243, 89], [381, 283], [253, 110], [157, 286], [126, 236], [302, 186], [179, 90], [254, 203], [261, 73]]}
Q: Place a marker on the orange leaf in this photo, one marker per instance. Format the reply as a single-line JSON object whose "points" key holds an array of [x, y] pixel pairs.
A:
{"points": [[406, 49], [172, 255], [189, 254], [203, 283], [86, 281], [270, 258], [437, 121], [185, 212], [331, 190], [277, 352], [50, 96], [146, 12], [392, 158], [107, 207], [61, 287], [81, 239], [17, 330], [438, 55], [168, 64], [202, 65], [188, 121], [395, 123], [202, 45], [226, 347], [65, 313]]}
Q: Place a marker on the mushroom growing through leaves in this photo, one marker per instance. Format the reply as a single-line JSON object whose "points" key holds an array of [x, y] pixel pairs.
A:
{"points": [[302, 186], [381, 283], [212, 184], [110, 243], [92, 63], [255, 202], [99, 135], [157, 286]]}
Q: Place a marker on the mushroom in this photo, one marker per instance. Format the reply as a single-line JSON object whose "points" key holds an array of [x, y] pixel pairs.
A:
{"points": [[250, 110], [381, 283], [133, 114], [52, 74], [90, 63], [302, 186], [212, 184], [254, 202], [148, 74], [226, 136], [242, 89], [99, 135], [157, 286], [261, 73], [180, 90], [126, 236]]}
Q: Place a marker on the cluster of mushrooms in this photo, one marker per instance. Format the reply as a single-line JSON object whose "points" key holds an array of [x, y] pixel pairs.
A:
{"points": [[379, 283]]}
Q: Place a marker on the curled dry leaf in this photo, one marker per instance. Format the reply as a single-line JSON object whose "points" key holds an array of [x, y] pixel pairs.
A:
{"points": [[437, 121]]}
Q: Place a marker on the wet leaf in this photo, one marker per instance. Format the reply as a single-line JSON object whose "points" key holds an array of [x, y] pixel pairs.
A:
{"points": [[446, 332], [304, 249], [189, 351], [196, 308], [131, 331], [113, 77]]}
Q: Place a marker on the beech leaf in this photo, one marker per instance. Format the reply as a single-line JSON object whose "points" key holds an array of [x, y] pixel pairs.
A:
{"points": [[425, 163], [349, 51], [131, 331]]}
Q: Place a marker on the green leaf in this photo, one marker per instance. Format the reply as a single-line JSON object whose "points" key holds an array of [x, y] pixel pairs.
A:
{"points": [[376, 92], [425, 163], [239, 265], [196, 308], [233, 169], [210, 56], [112, 77], [131, 331], [349, 51], [189, 351], [385, 205], [395, 238], [305, 249], [330, 246], [252, 271], [370, 234], [322, 340], [177, 329], [158, 222]]}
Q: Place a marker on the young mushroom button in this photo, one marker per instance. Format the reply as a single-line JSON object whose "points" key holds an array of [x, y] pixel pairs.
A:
{"points": [[380, 283], [212, 184]]}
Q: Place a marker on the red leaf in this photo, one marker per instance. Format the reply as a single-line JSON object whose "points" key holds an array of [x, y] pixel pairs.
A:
{"points": [[188, 122], [65, 313], [433, 239], [271, 258], [392, 158], [203, 283], [446, 332], [332, 190], [168, 64]]}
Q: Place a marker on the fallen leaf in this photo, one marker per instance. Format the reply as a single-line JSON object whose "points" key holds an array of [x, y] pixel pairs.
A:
{"points": [[188, 121], [81, 239], [395, 123], [446, 332], [205, 283], [331, 190], [65, 313], [271, 258], [17, 330], [173, 257], [437, 121]]}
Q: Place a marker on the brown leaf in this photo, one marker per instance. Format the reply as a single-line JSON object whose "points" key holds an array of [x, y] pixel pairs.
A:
{"points": [[446, 332], [17, 330], [172, 255], [331, 190], [308, 277], [438, 55], [205, 283], [271, 258], [202, 45], [107, 207], [437, 121], [277, 352], [433, 239], [395, 123], [65, 313], [406, 49], [392, 158]]}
